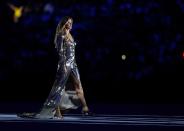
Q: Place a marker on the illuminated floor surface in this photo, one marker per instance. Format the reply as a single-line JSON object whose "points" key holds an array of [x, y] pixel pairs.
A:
{"points": [[98, 119]]}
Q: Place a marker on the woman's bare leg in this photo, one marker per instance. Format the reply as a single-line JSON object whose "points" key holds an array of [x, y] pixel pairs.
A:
{"points": [[80, 93]]}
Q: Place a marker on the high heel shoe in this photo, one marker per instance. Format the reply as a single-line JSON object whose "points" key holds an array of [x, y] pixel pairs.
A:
{"points": [[87, 113], [58, 114]]}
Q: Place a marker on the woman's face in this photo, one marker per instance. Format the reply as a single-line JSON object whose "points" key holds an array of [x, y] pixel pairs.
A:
{"points": [[68, 24]]}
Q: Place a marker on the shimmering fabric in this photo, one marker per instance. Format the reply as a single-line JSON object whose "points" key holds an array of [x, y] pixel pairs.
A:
{"points": [[63, 92]]}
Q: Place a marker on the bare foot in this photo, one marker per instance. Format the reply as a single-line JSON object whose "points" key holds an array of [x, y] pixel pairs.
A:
{"points": [[58, 114], [85, 109]]}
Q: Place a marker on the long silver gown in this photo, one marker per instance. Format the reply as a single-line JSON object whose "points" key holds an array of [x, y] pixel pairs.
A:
{"points": [[63, 92]]}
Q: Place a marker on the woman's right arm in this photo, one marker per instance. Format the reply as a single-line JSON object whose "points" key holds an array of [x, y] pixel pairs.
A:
{"points": [[59, 45], [58, 41]]}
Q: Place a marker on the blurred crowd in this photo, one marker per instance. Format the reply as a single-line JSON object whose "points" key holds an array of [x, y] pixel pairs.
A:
{"points": [[148, 33]]}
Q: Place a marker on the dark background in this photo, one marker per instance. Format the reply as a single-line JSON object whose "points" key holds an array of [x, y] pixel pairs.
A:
{"points": [[148, 32]]}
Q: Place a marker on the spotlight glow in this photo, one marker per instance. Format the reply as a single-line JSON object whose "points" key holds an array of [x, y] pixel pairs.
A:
{"points": [[123, 57], [183, 54]]}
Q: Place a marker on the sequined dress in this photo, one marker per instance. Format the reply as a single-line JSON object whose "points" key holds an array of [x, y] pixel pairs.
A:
{"points": [[63, 92]]}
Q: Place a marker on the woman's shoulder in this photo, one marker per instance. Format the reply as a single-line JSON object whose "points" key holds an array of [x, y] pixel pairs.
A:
{"points": [[72, 42]]}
